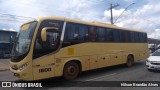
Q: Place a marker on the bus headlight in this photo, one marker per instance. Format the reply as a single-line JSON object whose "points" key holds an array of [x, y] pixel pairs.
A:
{"points": [[23, 66]]}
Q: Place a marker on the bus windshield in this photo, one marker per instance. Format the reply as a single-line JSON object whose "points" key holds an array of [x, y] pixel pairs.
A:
{"points": [[23, 41]]}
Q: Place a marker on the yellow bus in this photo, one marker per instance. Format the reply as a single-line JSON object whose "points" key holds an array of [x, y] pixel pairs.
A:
{"points": [[56, 46]]}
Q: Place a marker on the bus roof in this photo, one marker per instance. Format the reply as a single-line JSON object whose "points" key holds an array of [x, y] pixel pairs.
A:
{"points": [[87, 23]]}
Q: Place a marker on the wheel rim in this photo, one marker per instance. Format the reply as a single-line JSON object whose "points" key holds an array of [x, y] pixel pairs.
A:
{"points": [[71, 71]]}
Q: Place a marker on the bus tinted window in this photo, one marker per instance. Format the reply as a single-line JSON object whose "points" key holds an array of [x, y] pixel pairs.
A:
{"points": [[76, 33], [83, 33], [145, 37], [123, 39], [117, 36], [141, 37], [136, 36], [72, 33], [110, 35], [101, 34], [92, 33], [132, 37], [126, 36]]}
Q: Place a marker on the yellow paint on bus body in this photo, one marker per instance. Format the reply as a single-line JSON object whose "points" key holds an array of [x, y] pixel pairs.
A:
{"points": [[91, 55], [70, 51]]}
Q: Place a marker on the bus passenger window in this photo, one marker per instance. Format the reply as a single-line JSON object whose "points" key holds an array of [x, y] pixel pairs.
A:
{"points": [[140, 37], [93, 34], [101, 34], [145, 37], [116, 35], [83, 33], [136, 36], [125, 36], [132, 37], [127, 33], [71, 33], [110, 35]]}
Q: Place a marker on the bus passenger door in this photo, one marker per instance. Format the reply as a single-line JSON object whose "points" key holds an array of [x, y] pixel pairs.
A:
{"points": [[43, 54], [43, 67]]}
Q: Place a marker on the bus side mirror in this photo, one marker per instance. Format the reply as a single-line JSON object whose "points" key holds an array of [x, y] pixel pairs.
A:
{"points": [[44, 32]]}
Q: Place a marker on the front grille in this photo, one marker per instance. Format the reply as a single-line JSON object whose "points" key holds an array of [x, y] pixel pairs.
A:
{"points": [[155, 63]]}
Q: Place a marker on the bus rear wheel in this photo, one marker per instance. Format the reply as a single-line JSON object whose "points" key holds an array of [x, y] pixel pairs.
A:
{"points": [[71, 70], [130, 61]]}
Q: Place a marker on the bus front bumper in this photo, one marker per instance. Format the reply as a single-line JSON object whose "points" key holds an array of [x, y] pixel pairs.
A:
{"points": [[23, 75]]}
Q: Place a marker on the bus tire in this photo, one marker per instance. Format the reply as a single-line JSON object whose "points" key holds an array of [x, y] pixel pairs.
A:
{"points": [[71, 70], [130, 61]]}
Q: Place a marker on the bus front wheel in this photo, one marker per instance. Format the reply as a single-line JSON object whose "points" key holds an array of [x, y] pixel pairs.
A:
{"points": [[130, 61], [71, 70]]}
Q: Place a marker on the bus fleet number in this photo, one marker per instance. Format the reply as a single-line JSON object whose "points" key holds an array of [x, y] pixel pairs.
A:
{"points": [[44, 70]]}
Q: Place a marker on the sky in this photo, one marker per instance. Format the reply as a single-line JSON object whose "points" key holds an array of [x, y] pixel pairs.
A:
{"points": [[142, 15]]}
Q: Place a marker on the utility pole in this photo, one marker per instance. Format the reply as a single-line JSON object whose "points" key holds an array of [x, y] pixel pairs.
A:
{"points": [[123, 12], [111, 7]]}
